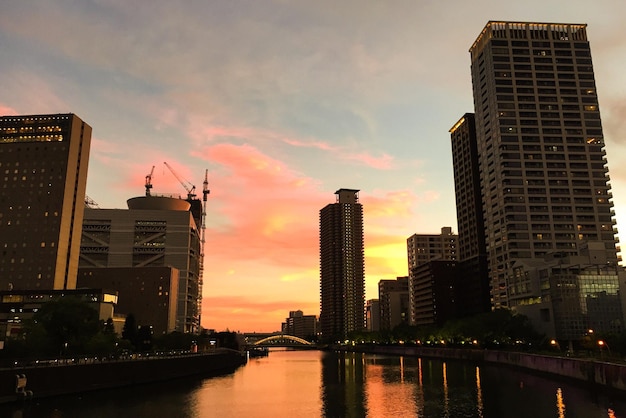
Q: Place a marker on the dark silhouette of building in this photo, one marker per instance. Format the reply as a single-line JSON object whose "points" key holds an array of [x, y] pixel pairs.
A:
{"points": [[300, 325], [150, 294], [43, 172], [342, 276], [393, 296], [435, 296], [422, 248], [472, 284]]}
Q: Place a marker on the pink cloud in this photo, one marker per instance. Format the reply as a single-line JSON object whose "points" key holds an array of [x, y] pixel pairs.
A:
{"points": [[311, 144], [384, 162], [7, 110]]}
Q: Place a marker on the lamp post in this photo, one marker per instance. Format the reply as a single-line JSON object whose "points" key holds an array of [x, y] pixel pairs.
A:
{"points": [[554, 343], [601, 344]]}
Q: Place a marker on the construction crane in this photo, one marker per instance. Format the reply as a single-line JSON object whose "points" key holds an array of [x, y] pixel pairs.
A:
{"points": [[190, 188], [205, 193], [149, 181], [90, 203]]}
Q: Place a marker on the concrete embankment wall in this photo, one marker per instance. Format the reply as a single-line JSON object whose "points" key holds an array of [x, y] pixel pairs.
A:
{"points": [[607, 375], [62, 379]]}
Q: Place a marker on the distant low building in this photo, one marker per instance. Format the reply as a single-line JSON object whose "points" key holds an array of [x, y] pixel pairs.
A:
{"points": [[372, 315], [300, 325], [393, 296]]}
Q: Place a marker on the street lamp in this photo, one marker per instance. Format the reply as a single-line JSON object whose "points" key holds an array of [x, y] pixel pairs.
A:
{"points": [[601, 344], [554, 343]]}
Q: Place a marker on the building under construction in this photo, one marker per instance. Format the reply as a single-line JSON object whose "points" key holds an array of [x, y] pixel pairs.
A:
{"points": [[154, 232]]}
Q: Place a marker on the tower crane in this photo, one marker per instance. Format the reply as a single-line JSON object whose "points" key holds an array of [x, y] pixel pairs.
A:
{"points": [[205, 193], [149, 181], [190, 188]]}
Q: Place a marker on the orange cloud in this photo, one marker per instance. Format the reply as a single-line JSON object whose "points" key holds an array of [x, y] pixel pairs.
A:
{"points": [[247, 315]]}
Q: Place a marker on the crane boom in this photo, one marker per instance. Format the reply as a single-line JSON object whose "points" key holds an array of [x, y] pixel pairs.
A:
{"points": [[190, 188]]}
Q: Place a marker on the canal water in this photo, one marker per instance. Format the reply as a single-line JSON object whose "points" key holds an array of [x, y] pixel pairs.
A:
{"points": [[319, 384]]}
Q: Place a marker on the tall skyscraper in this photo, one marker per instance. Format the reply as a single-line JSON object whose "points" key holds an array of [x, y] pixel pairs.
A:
{"points": [[543, 175], [472, 284], [43, 171], [342, 272]]}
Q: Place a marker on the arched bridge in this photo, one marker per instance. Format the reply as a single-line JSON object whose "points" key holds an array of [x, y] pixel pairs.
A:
{"points": [[282, 340], [276, 340]]}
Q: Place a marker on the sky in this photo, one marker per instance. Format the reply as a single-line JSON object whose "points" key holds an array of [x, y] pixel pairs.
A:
{"points": [[283, 102]]}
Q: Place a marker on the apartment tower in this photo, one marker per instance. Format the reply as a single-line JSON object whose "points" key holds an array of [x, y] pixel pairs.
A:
{"points": [[43, 168], [543, 173], [342, 276]]}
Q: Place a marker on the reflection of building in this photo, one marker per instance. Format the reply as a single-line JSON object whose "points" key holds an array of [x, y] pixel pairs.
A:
{"points": [[43, 174], [153, 232], [300, 325], [342, 277], [18, 306], [148, 293], [539, 148], [422, 248], [372, 315], [394, 302]]}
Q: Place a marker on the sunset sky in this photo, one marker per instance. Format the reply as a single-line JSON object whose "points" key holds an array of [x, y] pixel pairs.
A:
{"points": [[284, 102]]}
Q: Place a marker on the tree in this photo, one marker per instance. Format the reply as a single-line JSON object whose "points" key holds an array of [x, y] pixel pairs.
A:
{"points": [[62, 326], [129, 332]]}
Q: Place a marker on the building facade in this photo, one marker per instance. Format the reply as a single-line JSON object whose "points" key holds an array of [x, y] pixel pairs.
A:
{"points": [[153, 232], [422, 248], [540, 148], [150, 294], [393, 296], [342, 270], [372, 315], [300, 325], [434, 292], [473, 294], [43, 168]]}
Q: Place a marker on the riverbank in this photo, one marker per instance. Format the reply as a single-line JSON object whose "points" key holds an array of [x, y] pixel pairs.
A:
{"points": [[54, 379], [609, 376]]}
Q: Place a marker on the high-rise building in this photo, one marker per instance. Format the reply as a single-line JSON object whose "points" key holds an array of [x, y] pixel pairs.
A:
{"points": [[422, 248], [342, 272], [155, 231], [540, 149], [43, 168], [472, 286], [393, 296]]}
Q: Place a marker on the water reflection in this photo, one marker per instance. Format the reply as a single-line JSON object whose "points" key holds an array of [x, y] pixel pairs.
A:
{"points": [[560, 405], [342, 385], [326, 384], [479, 394]]}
